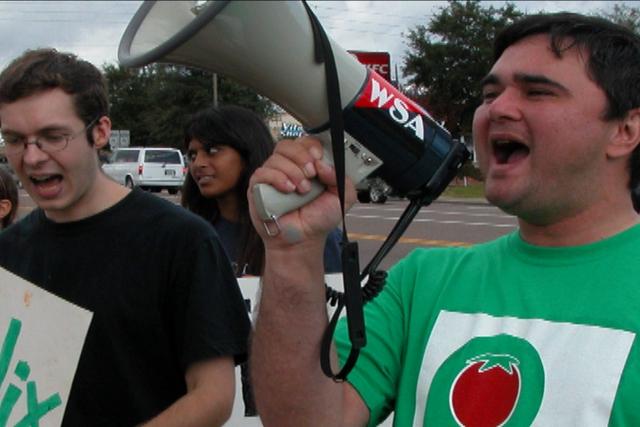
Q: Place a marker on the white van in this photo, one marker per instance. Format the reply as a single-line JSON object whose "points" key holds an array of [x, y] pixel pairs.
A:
{"points": [[152, 169]]}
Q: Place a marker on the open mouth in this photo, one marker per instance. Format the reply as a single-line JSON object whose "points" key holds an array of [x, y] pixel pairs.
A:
{"points": [[46, 180], [509, 151], [47, 186]]}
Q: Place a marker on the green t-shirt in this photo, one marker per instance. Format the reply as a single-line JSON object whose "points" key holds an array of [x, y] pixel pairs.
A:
{"points": [[506, 332]]}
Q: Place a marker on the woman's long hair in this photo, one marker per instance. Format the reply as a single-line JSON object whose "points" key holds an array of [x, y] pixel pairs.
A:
{"points": [[244, 131]]}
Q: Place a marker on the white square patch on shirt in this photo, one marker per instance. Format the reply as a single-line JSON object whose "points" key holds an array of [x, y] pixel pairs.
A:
{"points": [[582, 363]]}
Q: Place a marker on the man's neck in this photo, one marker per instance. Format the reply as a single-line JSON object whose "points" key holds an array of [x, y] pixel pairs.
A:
{"points": [[587, 226]]}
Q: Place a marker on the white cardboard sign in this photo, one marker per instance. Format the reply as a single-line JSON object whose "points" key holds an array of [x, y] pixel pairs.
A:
{"points": [[250, 288], [41, 337]]}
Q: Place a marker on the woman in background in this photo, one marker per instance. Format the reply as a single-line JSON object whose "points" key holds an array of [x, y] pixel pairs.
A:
{"points": [[225, 145], [8, 198]]}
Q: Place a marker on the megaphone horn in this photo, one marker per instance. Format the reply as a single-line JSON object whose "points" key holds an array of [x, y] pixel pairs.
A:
{"points": [[269, 46]]}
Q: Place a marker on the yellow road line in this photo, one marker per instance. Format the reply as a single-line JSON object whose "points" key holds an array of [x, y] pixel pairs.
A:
{"points": [[410, 240]]}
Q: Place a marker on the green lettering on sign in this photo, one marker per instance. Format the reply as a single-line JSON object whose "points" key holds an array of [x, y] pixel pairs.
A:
{"points": [[8, 345], [35, 410]]}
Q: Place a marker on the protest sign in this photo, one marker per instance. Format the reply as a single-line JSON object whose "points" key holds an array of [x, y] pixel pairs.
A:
{"points": [[41, 337], [250, 288]]}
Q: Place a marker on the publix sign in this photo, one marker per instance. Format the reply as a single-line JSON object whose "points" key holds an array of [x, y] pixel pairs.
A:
{"points": [[290, 130]]}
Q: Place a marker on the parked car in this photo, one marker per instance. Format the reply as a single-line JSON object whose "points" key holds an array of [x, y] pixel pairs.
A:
{"points": [[372, 190], [152, 169]]}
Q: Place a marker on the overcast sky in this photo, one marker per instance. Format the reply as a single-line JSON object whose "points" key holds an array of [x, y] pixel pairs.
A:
{"points": [[92, 29]]}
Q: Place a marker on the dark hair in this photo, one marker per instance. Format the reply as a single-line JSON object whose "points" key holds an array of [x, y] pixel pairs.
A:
{"points": [[43, 69], [242, 130], [9, 191], [612, 55]]}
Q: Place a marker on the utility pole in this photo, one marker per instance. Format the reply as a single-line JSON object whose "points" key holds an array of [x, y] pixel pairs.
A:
{"points": [[397, 77]]}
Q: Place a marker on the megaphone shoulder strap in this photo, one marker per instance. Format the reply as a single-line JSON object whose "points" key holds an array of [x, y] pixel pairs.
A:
{"points": [[350, 265], [354, 297]]}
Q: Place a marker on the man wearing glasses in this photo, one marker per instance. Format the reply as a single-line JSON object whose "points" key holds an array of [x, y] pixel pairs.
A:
{"points": [[169, 320]]}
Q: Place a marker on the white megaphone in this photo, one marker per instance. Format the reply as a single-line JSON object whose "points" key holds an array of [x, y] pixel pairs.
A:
{"points": [[269, 46]]}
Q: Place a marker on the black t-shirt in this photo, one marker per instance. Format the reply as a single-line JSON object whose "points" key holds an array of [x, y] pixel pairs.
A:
{"points": [[163, 296]]}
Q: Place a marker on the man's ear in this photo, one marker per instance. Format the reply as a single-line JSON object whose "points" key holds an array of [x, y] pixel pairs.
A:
{"points": [[627, 135], [5, 208], [101, 132]]}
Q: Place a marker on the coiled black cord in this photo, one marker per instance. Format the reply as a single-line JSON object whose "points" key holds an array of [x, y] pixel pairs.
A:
{"points": [[374, 285], [376, 279]]}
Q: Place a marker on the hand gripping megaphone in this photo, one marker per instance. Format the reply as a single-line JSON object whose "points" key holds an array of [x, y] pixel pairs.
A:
{"points": [[269, 46]]}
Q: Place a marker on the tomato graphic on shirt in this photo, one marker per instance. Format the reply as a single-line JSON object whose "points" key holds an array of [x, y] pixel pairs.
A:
{"points": [[489, 381], [485, 392]]}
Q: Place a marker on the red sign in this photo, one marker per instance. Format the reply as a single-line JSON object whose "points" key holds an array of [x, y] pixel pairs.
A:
{"points": [[380, 62]]}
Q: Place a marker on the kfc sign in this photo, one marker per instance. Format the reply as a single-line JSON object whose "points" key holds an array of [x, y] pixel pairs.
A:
{"points": [[379, 62]]}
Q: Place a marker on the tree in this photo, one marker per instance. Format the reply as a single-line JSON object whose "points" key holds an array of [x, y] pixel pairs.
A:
{"points": [[154, 101], [625, 15], [449, 56]]}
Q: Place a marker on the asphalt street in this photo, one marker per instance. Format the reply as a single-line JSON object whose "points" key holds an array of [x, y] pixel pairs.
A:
{"points": [[446, 222]]}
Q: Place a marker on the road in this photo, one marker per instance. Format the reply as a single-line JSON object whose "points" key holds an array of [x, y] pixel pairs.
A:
{"points": [[444, 223]]}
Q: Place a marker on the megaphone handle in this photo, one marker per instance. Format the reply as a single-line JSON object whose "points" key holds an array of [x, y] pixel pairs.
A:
{"points": [[359, 163], [271, 203]]}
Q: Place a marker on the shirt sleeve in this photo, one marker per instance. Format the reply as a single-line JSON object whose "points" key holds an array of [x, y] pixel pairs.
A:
{"points": [[377, 371], [216, 321]]}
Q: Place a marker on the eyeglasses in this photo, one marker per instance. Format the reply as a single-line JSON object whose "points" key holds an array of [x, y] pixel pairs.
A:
{"points": [[49, 142]]}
